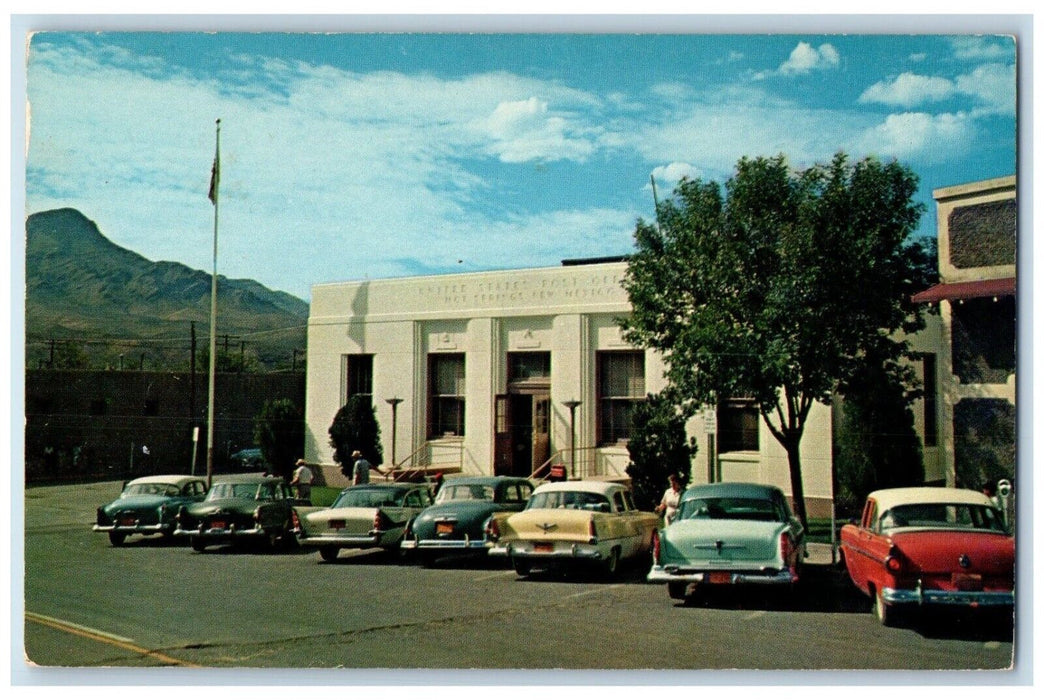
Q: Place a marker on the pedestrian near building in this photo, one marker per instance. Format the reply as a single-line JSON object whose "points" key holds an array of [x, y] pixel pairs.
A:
{"points": [[302, 480], [668, 505], [361, 470]]}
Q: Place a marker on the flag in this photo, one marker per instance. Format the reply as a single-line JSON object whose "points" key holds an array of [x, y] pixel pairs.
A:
{"points": [[215, 178]]}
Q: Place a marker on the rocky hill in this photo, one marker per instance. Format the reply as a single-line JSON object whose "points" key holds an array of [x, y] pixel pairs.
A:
{"points": [[99, 302]]}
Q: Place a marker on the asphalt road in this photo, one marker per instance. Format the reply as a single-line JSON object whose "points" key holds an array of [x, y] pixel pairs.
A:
{"points": [[153, 604]]}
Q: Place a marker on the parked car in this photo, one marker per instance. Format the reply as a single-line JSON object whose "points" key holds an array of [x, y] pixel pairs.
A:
{"points": [[240, 508], [247, 459], [456, 523], [581, 523], [729, 534], [148, 505], [363, 516], [930, 546]]}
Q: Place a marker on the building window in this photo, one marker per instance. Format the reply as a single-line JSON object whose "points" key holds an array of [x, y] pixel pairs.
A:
{"points": [[357, 376], [621, 385], [739, 422], [528, 366], [445, 395], [931, 401]]}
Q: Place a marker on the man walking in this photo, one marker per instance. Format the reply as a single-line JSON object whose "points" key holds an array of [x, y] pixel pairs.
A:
{"points": [[361, 470]]}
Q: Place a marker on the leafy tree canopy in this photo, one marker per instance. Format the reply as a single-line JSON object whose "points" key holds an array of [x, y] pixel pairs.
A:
{"points": [[279, 432], [658, 447], [778, 285], [355, 427]]}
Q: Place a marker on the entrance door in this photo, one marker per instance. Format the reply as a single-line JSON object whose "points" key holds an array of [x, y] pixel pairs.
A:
{"points": [[521, 433]]}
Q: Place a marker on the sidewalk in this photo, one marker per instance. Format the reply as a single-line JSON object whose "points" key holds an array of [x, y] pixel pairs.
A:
{"points": [[819, 554]]}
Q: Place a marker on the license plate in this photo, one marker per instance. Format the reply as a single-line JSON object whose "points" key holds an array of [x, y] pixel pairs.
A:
{"points": [[337, 524], [217, 524], [719, 577], [444, 528], [967, 582], [128, 520], [543, 547]]}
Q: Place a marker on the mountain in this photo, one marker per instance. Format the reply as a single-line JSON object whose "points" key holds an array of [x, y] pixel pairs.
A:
{"points": [[81, 286]]}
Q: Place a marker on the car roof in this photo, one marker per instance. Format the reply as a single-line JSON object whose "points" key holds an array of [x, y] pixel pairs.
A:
{"points": [[243, 478], [602, 487], [889, 498], [386, 485], [484, 480], [730, 489], [179, 479]]}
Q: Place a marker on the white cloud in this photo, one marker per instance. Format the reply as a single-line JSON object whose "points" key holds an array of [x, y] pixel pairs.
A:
{"points": [[908, 90], [993, 85], [978, 48], [929, 138], [672, 173], [806, 58], [525, 130]]}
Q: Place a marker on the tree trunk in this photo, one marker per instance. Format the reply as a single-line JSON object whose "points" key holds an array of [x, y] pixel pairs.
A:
{"points": [[797, 486]]}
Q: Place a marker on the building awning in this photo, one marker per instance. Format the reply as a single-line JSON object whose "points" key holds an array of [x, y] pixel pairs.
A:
{"points": [[967, 290]]}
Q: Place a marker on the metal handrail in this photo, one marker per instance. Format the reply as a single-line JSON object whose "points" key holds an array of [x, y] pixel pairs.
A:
{"points": [[399, 471], [541, 471]]}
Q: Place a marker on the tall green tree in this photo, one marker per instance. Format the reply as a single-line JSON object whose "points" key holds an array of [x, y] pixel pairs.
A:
{"points": [[658, 447], [355, 427], [778, 285], [877, 446], [279, 432]]}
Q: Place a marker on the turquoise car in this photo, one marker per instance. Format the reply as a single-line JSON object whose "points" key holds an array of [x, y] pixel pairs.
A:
{"points": [[728, 535]]}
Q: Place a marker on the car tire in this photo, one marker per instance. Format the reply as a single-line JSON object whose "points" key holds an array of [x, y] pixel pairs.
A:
{"points": [[522, 567], [116, 538], [329, 553], [427, 559], [677, 589], [612, 564], [197, 543], [887, 615]]}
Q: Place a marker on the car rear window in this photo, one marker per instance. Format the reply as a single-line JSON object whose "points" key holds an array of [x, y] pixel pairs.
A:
{"points": [[962, 516], [729, 509], [578, 500]]}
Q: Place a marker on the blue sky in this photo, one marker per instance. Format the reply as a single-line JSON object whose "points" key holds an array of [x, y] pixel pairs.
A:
{"points": [[347, 156]]}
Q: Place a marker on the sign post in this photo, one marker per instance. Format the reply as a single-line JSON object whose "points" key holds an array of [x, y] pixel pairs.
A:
{"points": [[710, 426]]}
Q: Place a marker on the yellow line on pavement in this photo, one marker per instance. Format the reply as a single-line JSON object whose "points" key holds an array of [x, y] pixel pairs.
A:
{"points": [[105, 638]]}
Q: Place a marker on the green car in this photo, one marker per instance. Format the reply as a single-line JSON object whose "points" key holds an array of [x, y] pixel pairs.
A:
{"points": [[729, 534], [240, 508], [147, 506]]}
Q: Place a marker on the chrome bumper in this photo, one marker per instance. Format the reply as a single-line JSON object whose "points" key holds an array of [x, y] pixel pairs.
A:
{"points": [[466, 544], [969, 599], [221, 532], [134, 529], [346, 541], [670, 574], [526, 551]]}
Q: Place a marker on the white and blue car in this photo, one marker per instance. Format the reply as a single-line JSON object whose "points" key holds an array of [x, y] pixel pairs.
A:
{"points": [[729, 534]]}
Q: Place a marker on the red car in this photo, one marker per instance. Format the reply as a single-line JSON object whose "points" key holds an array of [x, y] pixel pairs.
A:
{"points": [[930, 546]]}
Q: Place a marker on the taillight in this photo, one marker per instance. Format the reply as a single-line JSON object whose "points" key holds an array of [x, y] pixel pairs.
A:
{"points": [[894, 561], [592, 531], [380, 521], [295, 521], [492, 530], [786, 549]]}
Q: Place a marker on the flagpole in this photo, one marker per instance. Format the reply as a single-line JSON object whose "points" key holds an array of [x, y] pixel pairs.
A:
{"points": [[215, 179]]}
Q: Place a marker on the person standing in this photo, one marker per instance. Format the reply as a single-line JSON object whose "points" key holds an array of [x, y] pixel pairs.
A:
{"points": [[668, 506], [302, 480], [361, 470]]}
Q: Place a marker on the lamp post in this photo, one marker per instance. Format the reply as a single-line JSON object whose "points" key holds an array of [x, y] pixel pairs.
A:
{"points": [[571, 405], [394, 402]]}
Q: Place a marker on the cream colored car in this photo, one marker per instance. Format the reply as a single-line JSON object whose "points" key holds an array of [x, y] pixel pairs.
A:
{"points": [[580, 523]]}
